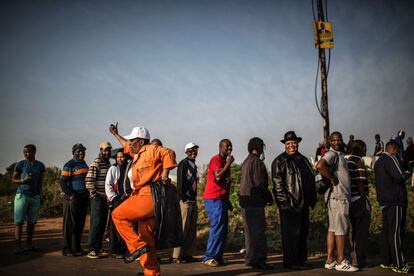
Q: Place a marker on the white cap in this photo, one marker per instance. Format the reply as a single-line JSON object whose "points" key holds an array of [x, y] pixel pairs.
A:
{"points": [[190, 146], [138, 132]]}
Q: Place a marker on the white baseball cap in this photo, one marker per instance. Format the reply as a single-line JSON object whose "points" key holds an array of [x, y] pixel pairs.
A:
{"points": [[138, 132], [190, 146]]}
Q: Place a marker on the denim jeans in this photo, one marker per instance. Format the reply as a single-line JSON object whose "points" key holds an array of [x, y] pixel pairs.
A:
{"points": [[99, 216]]}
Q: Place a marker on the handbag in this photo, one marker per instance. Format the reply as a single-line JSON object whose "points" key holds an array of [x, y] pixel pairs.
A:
{"points": [[321, 183]]}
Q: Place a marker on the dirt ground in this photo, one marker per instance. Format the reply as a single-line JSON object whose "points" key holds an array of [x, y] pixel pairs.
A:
{"points": [[48, 236]]}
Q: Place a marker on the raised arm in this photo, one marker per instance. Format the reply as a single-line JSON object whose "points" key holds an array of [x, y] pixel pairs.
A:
{"points": [[219, 174], [113, 129]]}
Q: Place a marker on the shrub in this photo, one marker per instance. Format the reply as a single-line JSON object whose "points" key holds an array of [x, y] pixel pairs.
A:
{"points": [[51, 197]]}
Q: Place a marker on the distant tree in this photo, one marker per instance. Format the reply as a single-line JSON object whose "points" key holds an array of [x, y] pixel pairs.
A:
{"points": [[6, 187]]}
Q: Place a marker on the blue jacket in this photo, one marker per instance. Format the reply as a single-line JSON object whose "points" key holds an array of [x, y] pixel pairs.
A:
{"points": [[390, 181]]}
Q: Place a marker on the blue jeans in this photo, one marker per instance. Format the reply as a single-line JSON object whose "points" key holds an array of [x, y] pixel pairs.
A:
{"points": [[99, 215], [218, 216]]}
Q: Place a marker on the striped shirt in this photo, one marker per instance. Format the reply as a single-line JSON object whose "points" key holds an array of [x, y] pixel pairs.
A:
{"points": [[95, 179], [72, 178], [356, 168]]}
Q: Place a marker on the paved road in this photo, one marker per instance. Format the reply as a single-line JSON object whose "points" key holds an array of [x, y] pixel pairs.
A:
{"points": [[51, 262]]}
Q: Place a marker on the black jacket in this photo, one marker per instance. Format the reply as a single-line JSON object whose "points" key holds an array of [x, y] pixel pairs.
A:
{"points": [[390, 181], [254, 191], [186, 180], [294, 182], [168, 222]]}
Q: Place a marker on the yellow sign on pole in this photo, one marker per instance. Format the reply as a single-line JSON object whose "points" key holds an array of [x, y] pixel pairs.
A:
{"points": [[323, 35]]}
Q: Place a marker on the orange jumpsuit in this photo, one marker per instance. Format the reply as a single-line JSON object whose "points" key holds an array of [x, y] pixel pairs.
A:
{"points": [[147, 167]]}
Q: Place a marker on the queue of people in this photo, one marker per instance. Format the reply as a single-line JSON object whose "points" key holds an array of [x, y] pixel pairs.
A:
{"points": [[123, 191]]}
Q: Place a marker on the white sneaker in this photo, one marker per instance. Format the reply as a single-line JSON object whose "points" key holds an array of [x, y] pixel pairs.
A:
{"points": [[92, 255], [346, 266], [331, 266]]}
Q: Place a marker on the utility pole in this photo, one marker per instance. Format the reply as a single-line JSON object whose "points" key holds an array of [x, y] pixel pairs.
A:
{"points": [[324, 79]]}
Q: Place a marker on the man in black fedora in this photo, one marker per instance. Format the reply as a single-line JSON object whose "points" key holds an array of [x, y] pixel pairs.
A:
{"points": [[294, 191]]}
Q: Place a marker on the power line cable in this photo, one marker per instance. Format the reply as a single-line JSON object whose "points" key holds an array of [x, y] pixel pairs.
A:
{"points": [[313, 10], [316, 90], [317, 67], [329, 59]]}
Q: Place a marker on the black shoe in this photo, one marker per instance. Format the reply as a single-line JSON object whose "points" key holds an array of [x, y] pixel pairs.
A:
{"points": [[21, 251], [33, 248], [170, 260], [68, 253], [119, 256], [263, 266], [306, 265], [135, 255], [78, 253], [189, 259], [295, 267]]}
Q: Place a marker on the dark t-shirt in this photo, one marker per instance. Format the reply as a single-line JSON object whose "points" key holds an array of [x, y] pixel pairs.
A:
{"points": [[24, 168]]}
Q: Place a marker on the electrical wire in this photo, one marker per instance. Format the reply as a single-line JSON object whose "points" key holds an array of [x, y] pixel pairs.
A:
{"points": [[316, 90], [329, 50], [329, 59], [329, 62], [317, 67], [313, 10]]}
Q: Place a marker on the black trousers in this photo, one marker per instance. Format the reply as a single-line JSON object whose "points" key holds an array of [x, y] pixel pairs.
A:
{"points": [[392, 235], [295, 229], [254, 235], [116, 243], [74, 214], [360, 218]]}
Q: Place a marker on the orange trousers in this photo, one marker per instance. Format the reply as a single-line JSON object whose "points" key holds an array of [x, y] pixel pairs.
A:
{"points": [[139, 207]]}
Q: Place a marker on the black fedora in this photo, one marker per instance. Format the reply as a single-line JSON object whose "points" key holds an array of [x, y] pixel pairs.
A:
{"points": [[291, 135]]}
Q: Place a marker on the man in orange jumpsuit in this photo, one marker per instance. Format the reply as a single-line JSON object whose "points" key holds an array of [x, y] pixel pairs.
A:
{"points": [[150, 164]]}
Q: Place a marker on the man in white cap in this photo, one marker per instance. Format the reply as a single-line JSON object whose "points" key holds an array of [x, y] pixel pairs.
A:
{"points": [[187, 179], [95, 183], [150, 164]]}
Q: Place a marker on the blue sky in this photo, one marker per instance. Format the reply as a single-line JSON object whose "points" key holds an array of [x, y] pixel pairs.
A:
{"points": [[198, 71]]}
